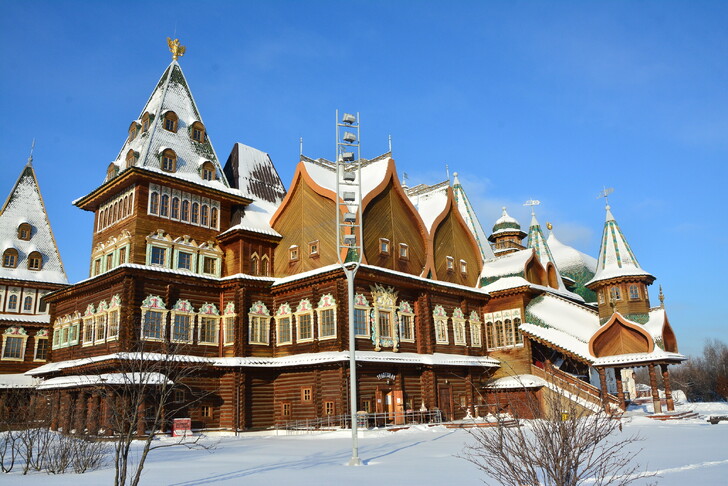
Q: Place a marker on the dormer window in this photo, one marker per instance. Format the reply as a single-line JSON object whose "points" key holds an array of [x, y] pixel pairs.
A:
{"points": [[35, 261], [131, 158], [463, 267], [383, 246], [133, 130], [403, 251], [207, 171], [170, 121], [145, 122], [197, 132], [450, 263], [112, 171], [169, 161], [293, 253], [313, 248], [24, 231], [10, 258]]}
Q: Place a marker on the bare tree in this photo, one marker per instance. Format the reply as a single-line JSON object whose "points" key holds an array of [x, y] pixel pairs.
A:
{"points": [[565, 445], [142, 396]]}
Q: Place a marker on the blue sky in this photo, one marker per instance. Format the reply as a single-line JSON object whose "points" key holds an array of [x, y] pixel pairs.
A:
{"points": [[544, 100]]}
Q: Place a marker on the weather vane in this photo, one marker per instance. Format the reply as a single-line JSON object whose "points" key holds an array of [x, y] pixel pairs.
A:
{"points": [[32, 147], [177, 49], [533, 203], [605, 194]]}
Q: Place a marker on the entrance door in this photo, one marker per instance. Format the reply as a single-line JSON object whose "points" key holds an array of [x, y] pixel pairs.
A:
{"points": [[398, 396], [445, 402]]}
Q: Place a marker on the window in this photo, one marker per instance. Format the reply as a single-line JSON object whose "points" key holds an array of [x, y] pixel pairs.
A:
{"points": [[329, 408], [304, 321], [97, 266], [259, 329], [265, 266], [14, 339], [450, 263], [286, 409], [204, 211], [254, 264], [73, 332], [213, 218], [458, 327], [326, 317], [133, 130], [100, 328], [283, 330], [195, 213], [475, 327], [229, 330], [169, 161], [88, 330], [109, 261], [498, 334], [113, 325], [153, 325], [519, 336], [407, 329], [122, 256], [158, 256], [615, 294], [181, 328], [170, 121], [24, 231], [197, 132], [601, 296], [207, 171], [41, 348], [463, 267], [508, 330], [179, 395], [13, 302], [440, 317], [28, 304], [313, 248], [175, 208], [489, 335], [164, 205], [383, 246], [634, 292], [293, 253], [154, 203], [184, 261], [209, 265], [145, 122], [131, 158], [306, 394], [208, 330], [403, 251], [10, 258], [185, 214], [206, 411], [384, 322], [361, 321]]}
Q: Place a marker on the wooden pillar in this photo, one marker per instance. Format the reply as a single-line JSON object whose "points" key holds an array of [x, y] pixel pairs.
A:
{"points": [[668, 389], [79, 422], [620, 388], [603, 386], [55, 404], [66, 412], [141, 424], [655, 393]]}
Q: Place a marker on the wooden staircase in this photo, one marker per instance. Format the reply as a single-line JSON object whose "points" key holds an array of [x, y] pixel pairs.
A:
{"points": [[574, 389]]}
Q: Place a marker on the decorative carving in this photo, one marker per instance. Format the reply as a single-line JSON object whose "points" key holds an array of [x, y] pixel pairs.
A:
{"points": [[327, 300], [153, 302], [89, 310], [209, 309], [177, 49], [183, 306], [283, 309], [229, 308], [304, 306], [115, 302], [259, 308], [15, 331]]}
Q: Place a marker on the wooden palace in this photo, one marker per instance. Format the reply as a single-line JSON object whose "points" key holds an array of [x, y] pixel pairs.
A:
{"points": [[221, 264]]}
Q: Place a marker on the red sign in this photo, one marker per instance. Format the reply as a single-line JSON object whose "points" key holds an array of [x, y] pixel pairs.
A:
{"points": [[181, 427]]}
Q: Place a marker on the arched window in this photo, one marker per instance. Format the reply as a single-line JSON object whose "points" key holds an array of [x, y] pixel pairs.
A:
{"points": [[106, 217], [203, 215], [254, 264], [265, 266], [517, 324], [170, 121], [111, 171], [185, 216], [195, 213], [28, 304], [35, 261], [10, 258], [634, 292], [131, 158], [498, 334], [175, 208], [133, 130], [125, 207], [154, 203], [12, 302], [489, 335], [213, 218], [615, 293], [169, 161], [197, 132], [508, 332], [24, 231], [164, 205], [207, 171], [116, 212]]}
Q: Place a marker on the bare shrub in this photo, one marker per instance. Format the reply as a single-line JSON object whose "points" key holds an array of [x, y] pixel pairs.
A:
{"points": [[567, 445]]}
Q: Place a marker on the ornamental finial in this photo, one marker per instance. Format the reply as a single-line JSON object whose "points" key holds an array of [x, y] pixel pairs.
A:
{"points": [[549, 226], [177, 49], [662, 298]]}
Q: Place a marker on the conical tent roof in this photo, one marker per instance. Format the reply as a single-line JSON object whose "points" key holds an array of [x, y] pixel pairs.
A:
{"points": [[537, 241], [466, 210], [615, 255], [573, 264], [172, 93], [25, 205]]}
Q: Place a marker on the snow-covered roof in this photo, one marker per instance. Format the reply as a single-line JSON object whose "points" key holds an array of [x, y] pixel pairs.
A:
{"points": [[29, 318], [105, 379], [655, 322], [18, 380], [615, 256], [517, 381], [135, 356], [538, 243], [510, 265], [25, 205], [430, 201], [468, 213], [569, 259], [252, 171], [635, 358], [257, 219], [505, 224], [173, 94]]}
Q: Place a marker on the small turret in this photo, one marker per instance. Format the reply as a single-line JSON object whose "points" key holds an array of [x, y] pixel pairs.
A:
{"points": [[619, 281], [507, 235]]}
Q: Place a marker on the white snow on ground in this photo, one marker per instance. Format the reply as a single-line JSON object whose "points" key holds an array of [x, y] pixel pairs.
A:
{"points": [[681, 452]]}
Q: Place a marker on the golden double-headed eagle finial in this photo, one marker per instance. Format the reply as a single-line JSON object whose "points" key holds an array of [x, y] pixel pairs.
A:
{"points": [[177, 49]]}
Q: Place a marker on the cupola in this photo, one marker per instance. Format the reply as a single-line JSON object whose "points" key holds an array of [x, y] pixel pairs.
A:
{"points": [[507, 235]]}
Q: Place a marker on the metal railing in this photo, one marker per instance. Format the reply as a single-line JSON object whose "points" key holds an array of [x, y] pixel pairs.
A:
{"points": [[364, 421]]}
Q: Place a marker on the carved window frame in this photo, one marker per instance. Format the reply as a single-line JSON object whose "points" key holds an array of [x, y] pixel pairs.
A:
{"points": [[304, 308], [284, 317]]}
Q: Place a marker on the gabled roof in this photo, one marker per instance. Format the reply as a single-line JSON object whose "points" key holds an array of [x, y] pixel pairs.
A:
{"points": [[615, 256], [25, 205], [252, 171], [466, 209], [173, 94]]}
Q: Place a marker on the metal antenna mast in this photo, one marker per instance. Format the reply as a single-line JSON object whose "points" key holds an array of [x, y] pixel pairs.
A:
{"points": [[349, 244]]}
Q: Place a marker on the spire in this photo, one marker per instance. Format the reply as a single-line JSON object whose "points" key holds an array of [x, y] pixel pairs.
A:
{"points": [[24, 210], [615, 255], [170, 123], [468, 214], [30, 157]]}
